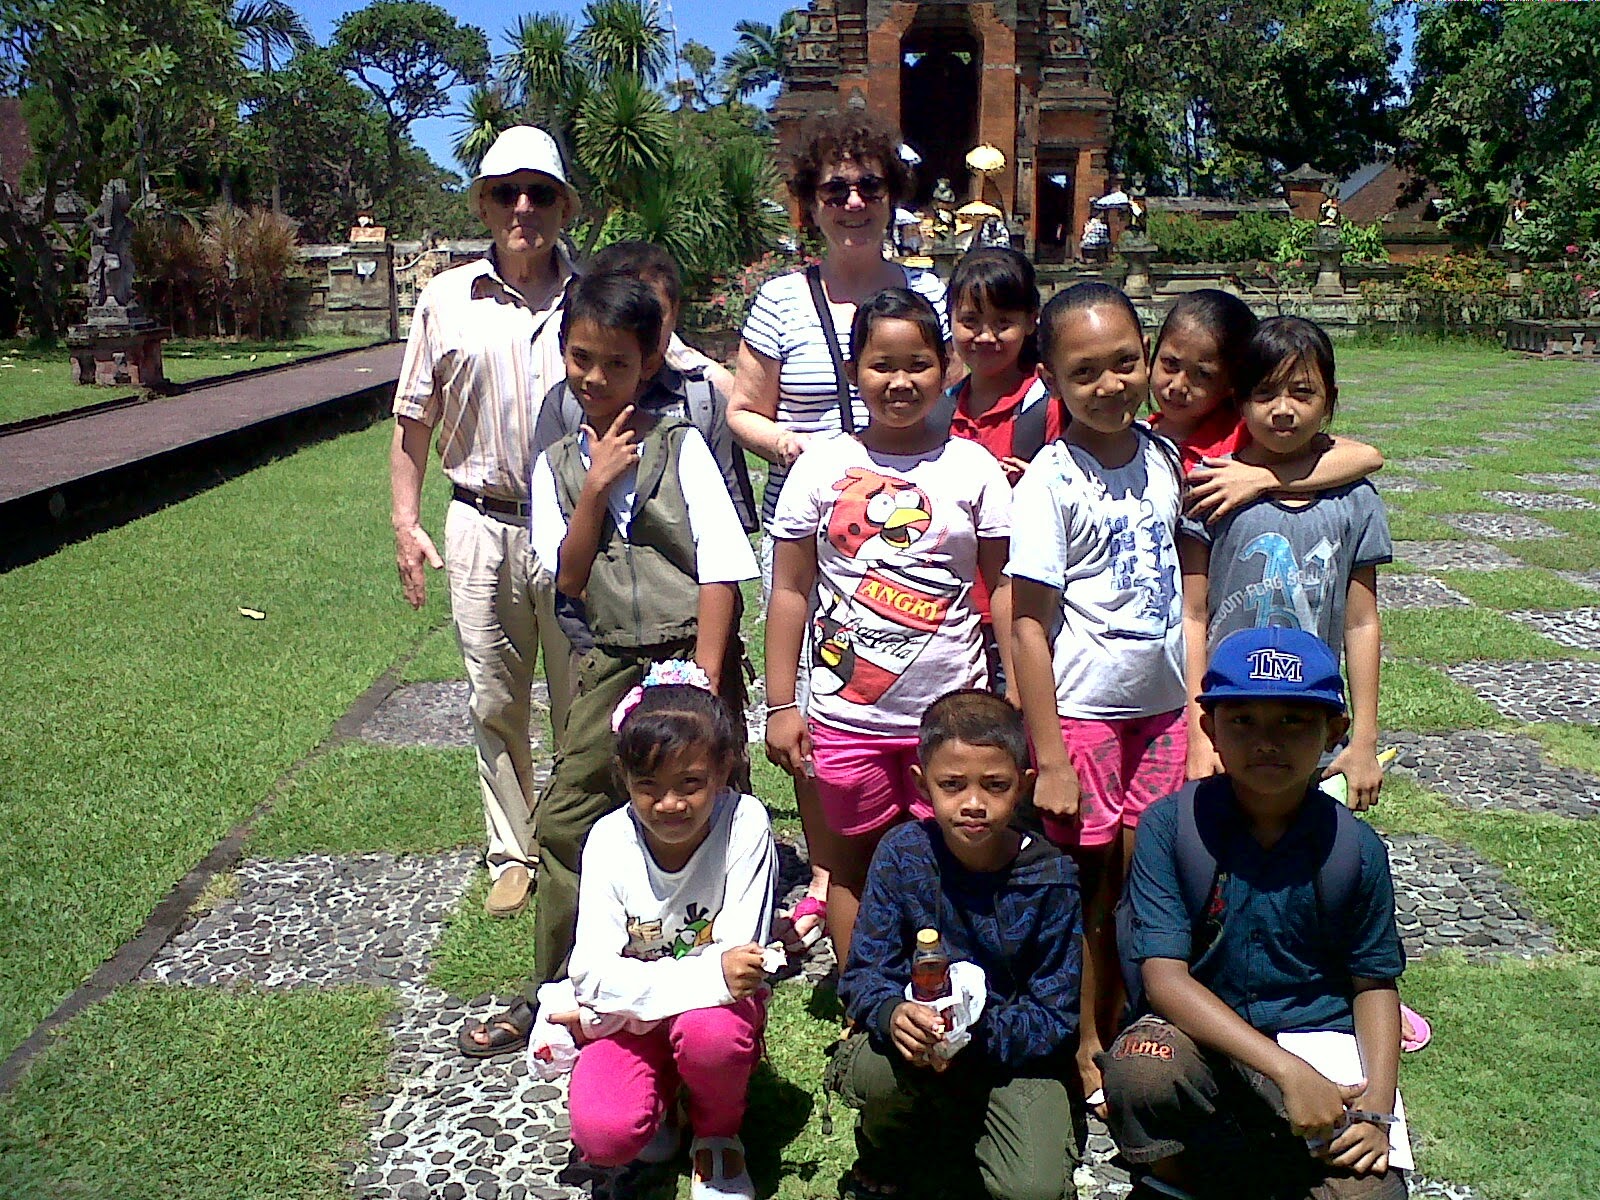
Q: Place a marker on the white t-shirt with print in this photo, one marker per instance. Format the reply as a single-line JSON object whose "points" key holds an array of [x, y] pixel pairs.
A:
{"points": [[783, 325], [649, 942], [894, 626], [1104, 538]]}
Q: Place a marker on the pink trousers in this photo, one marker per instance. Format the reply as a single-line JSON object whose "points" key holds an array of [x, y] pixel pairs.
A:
{"points": [[624, 1085]]}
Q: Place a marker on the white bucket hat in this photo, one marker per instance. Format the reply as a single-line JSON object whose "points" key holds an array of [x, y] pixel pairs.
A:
{"points": [[521, 148]]}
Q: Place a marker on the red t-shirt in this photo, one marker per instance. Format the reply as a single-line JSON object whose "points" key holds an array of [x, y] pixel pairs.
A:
{"points": [[994, 431], [1220, 435]]}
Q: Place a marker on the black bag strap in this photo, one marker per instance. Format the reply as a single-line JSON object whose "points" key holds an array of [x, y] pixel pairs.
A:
{"points": [[847, 412], [1027, 434]]}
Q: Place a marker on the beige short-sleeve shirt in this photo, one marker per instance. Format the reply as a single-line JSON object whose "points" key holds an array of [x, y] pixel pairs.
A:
{"points": [[478, 363]]}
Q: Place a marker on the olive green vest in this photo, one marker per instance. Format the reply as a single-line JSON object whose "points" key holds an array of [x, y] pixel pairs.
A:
{"points": [[644, 589]]}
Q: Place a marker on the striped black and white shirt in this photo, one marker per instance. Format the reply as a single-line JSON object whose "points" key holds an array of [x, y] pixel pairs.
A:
{"points": [[783, 325]]}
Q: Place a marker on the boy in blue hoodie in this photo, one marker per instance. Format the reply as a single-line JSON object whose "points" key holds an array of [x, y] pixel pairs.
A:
{"points": [[1003, 899]]}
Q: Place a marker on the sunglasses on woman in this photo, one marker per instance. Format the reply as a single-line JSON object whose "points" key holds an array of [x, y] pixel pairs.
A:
{"points": [[540, 195], [836, 192]]}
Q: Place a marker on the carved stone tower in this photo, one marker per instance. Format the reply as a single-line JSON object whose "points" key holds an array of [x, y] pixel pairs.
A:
{"points": [[953, 75]]}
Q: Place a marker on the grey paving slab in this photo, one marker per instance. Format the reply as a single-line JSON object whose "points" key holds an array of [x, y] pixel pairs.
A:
{"points": [[1493, 772], [1403, 485], [1436, 464], [1454, 556], [1578, 628], [1588, 579], [1562, 691], [1505, 437], [1541, 501], [1448, 898], [1501, 527], [1417, 591], [321, 921], [1569, 480]]}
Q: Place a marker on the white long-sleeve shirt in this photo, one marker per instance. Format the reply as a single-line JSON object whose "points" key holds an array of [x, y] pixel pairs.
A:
{"points": [[650, 942]]}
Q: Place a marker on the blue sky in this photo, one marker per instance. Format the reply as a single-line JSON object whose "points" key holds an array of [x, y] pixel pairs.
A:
{"points": [[708, 21]]}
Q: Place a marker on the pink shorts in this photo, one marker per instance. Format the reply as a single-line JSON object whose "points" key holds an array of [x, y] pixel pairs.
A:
{"points": [[1123, 768], [864, 779]]}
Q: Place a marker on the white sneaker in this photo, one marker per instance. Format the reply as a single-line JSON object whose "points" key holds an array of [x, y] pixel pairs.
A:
{"points": [[720, 1185]]}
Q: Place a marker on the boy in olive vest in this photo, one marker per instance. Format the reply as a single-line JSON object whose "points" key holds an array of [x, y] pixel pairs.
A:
{"points": [[649, 555]]}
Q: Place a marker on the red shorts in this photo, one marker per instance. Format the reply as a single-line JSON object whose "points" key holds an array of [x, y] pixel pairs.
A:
{"points": [[1123, 768], [864, 779]]}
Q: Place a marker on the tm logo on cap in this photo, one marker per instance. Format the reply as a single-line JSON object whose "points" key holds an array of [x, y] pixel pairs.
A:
{"points": [[1277, 666]]}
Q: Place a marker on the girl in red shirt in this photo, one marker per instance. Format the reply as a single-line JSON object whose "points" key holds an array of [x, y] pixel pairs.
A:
{"points": [[1191, 384]]}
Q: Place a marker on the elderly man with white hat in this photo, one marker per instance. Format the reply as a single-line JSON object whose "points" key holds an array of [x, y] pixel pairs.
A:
{"points": [[484, 349]]}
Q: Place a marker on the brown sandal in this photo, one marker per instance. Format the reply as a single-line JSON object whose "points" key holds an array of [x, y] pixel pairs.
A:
{"points": [[504, 1033]]}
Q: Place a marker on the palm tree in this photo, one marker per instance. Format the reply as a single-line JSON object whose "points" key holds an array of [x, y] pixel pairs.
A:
{"points": [[542, 69], [270, 25], [625, 35], [624, 135], [485, 116], [265, 26], [756, 60]]}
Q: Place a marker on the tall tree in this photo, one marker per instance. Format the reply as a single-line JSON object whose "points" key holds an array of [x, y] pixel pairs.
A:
{"points": [[408, 54], [1502, 91], [107, 95], [1222, 95], [268, 27], [695, 91], [485, 116], [756, 60]]}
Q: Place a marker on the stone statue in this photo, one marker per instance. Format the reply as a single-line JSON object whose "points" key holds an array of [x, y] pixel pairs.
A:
{"points": [[1138, 209], [1328, 215], [942, 193], [111, 249]]}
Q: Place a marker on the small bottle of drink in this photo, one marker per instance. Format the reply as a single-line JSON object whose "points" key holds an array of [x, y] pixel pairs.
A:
{"points": [[930, 968]]}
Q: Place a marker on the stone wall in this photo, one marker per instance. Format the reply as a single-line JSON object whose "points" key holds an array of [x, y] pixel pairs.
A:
{"points": [[372, 289]]}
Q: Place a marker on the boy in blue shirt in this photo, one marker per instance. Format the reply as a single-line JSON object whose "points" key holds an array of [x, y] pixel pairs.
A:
{"points": [[1000, 898], [1202, 1097]]}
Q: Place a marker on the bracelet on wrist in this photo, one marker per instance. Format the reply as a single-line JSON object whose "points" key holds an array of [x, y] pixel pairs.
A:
{"points": [[778, 708]]}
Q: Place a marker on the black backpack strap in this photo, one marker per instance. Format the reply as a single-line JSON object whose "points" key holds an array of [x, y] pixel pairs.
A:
{"points": [[707, 409], [1336, 882], [1027, 432], [847, 412]]}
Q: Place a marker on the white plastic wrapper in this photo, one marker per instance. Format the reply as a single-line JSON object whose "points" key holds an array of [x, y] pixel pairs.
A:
{"points": [[969, 992], [551, 1050]]}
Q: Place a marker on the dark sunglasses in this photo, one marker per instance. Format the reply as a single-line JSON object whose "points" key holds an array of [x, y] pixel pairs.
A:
{"points": [[836, 192], [540, 195]]}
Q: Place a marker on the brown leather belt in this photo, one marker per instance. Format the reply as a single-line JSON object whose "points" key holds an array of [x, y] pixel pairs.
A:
{"points": [[491, 505]]}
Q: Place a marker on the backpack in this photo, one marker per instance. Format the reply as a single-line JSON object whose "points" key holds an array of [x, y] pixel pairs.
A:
{"points": [[1200, 882], [1027, 431], [707, 410]]}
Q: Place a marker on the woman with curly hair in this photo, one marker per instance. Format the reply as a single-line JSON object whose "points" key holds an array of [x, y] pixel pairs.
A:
{"points": [[791, 386]]}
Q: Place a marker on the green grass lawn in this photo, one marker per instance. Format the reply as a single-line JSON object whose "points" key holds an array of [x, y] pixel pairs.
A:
{"points": [[147, 716], [34, 382]]}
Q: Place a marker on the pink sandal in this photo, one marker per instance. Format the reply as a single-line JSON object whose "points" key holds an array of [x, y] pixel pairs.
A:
{"points": [[793, 940], [1421, 1032]]}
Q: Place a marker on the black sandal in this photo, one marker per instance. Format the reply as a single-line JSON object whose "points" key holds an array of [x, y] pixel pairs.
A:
{"points": [[506, 1033]]}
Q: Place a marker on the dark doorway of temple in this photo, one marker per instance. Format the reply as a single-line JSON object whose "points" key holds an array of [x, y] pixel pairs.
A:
{"points": [[941, 64], [1057, 238]]}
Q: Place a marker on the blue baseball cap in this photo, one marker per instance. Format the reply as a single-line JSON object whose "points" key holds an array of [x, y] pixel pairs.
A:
{"points": [[1273, 664]]}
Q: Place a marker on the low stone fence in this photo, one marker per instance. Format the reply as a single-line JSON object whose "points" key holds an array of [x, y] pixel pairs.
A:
{"points": [[371, 288]]}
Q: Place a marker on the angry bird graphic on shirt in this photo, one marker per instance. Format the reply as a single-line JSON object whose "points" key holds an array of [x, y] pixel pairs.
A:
{"points": [[833, 650], [877, 516], [695, 931]]}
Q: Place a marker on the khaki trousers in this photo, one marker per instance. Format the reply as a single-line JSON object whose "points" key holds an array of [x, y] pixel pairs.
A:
{"points": [[503, 606]]}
